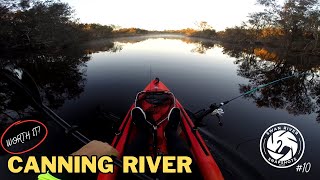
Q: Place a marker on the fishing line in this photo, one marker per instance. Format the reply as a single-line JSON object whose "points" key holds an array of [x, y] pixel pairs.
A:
{"points": [[259, 87], [215, 109]]}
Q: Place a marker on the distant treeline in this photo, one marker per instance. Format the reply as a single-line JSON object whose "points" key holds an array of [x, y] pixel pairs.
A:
{"points": [[49, 24], [207, 33], [36, 24], [203, 30]]}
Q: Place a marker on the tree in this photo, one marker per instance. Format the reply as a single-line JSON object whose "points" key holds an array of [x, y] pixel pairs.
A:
{"points": [[313, 28], [115, 27], [203, 25], [38, 24], [294, 17], [239, 35], [298, 95]]}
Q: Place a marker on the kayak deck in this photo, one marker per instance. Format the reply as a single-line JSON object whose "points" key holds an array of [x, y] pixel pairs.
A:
{"points": [[157, 101]]}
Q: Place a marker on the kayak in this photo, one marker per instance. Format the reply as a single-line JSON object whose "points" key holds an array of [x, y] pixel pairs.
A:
{"points": [[157, 100]]}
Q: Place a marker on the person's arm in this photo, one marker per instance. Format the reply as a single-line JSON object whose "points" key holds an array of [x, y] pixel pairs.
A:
{"points": [[94, 148]]}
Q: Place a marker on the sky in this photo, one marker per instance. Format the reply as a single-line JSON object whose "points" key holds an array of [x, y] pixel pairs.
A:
{"points": [[164, 14]]}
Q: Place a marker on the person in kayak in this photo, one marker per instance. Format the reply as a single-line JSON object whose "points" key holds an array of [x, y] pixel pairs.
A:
{"points": [[139, 147], [175, 145]]}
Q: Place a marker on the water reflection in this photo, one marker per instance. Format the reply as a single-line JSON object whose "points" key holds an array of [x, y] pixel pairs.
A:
{"points": [[203, 46], [102, 46], [84, 82], [60, 76], [298, 95]]}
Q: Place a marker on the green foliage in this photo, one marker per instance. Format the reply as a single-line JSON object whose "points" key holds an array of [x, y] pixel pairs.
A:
{"points": [[43, 24], [96, 31], [129, 32], [236, 35], [297, 19], [203, 33], [294, 24], [36, 24]]}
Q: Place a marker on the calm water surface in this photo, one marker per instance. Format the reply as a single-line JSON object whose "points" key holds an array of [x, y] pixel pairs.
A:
{"points": [[199, 72]]}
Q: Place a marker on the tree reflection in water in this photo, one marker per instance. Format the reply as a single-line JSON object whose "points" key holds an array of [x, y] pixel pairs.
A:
{"points": [[296, 95], [60, 76], [201, 45]]}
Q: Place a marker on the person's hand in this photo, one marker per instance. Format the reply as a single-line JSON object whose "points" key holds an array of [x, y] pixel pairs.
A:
{"points": [[96, 148]]}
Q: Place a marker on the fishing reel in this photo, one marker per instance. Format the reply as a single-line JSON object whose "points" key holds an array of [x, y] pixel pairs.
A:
{"points": [[218, 112], [214, 110]]}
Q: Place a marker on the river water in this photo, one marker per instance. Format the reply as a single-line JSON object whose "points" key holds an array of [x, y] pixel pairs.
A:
{"points": [[83, 85]]}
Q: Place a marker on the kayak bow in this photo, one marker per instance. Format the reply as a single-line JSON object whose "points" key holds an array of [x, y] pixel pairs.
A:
{"points": [[154, 101]]}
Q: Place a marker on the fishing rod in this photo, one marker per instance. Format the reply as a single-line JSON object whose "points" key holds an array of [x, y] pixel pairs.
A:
{"points": [[37, 100], [215, 109], [232, 159]]}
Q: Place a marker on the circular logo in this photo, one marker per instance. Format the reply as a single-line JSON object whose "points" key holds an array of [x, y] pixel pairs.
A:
{"points": [[282, 145]]}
